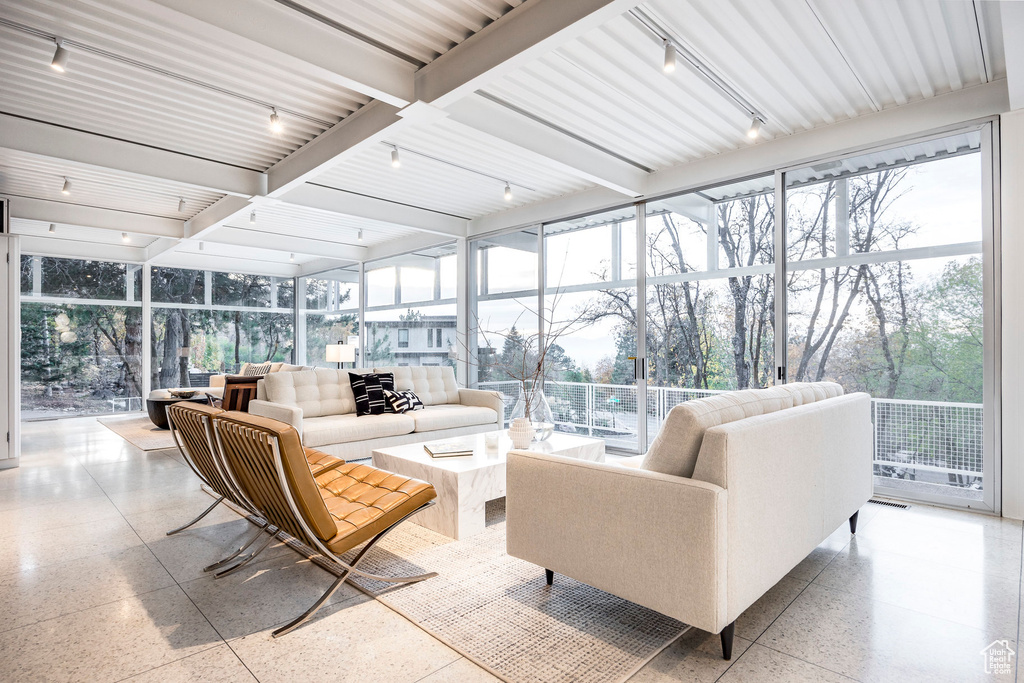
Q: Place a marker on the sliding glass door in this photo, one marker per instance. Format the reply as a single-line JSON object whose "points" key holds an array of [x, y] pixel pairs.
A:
{"points": [[886, 293]]}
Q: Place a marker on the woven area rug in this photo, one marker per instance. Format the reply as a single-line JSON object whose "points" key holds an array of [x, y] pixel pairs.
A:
{"points": [[499, 611], [139, 431]]}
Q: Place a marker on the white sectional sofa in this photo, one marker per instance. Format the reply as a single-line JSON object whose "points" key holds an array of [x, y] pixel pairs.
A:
{"points": [[736, 490], [320, 405]]}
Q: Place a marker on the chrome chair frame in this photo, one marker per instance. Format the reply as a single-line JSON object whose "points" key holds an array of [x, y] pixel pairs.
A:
{"points": [[221, 465], [348, 569]]}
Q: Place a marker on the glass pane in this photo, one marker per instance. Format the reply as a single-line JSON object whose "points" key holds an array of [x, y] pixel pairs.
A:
{"points": [[331, 314], [78, 359], [178, 286], [608, 241], [239, 289], [26, 274], [399, 336], [72, 278], [507, 263], [380, 286], [907, 329]]}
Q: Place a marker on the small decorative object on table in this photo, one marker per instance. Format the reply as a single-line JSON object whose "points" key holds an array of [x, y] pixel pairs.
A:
{"points": [[521, 432], [179, 393], [448, 449]]}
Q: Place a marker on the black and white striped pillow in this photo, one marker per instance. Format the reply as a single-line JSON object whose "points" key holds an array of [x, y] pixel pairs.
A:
{"points": [[251, 370], [368, 394], [402, 401]]}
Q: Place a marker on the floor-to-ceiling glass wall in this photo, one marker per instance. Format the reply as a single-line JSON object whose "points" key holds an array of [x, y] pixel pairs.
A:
{"points": [[886, 293], [206, 322], [410, 313], [328, 313], [81, 337], [710, 293], [590, 326]]}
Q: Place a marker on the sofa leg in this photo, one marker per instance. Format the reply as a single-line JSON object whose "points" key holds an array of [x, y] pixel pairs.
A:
{"points": [[853, 522], [727, 634], [550, 576]]}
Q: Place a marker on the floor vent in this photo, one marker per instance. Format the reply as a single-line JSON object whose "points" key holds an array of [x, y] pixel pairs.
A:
{"points": [[888, 504]]}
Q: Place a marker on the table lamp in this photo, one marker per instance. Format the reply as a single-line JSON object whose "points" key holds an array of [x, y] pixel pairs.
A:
{"points": [[341, 353]]}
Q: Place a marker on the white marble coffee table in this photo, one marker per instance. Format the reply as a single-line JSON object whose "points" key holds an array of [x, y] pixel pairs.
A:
{"points": [[465, 483]]}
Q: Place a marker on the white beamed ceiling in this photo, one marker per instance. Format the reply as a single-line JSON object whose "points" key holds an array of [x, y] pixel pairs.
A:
{"points": [[439, 186], [102, 95], [289, 220], [27, 175]]}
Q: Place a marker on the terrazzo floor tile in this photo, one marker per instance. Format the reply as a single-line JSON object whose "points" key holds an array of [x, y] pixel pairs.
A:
{"points": [[819, 558], [74, 542], [120, 477], [38, 594], [27, 476], [180, 490], [109, 642], [762, 665], [48, 494], [460, 671], [695, 657], [216, 665], [984, 601], [873, 641], [356, 641], [759, 616], [263, 594], [56, 516]]}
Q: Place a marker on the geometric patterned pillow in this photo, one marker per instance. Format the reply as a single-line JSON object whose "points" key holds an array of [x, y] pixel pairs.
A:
{"points": [[368, 393], [402, 401], [251, 370], [387, 383]]}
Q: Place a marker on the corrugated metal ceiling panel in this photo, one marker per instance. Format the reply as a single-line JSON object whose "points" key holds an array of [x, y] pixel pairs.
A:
{"points": [[102, 95], [801, 64], [75, 233], [423, 29], [26, 175], [289, 220], [431, 184]]}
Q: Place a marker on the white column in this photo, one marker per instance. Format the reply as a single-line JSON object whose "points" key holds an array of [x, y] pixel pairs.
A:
{"points": [[147, 331], [300, 320], [1011, 252], [10, 352], [461, 309]]}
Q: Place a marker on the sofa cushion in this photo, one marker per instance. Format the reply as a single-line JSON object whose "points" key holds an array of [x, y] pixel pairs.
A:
{"points": [[368, 393], [677, 445], [449, 416], [433, 384], [323, 391], [809, 392], [333, 429]]}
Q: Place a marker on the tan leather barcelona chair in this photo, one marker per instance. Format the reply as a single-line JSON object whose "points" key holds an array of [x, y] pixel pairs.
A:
{"points": [[356, 503], [192, 430]]}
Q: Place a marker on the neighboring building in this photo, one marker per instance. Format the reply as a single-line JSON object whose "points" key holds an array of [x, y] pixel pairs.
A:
{"points": [[424, 341]]}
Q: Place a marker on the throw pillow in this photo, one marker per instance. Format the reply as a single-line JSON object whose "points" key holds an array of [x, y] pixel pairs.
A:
{"points": [[368, 394], [403, 401], [252, 370], [387, 383]]}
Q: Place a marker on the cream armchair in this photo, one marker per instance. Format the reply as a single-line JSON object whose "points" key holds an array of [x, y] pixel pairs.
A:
{"points": [[760, 478]]}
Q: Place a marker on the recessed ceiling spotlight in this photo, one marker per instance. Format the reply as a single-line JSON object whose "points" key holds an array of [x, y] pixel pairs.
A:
{"points": [[275, 121], [67, 186], [181, 205], [252, 218], [755, 128], [508, 192], [53, 228], [291, 257], [395, 161], [359, 235], [125, 237], [670, 57], [60, 57], [202, 246]]}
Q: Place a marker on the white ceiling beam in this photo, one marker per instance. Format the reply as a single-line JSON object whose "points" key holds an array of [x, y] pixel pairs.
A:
{"points": [[1012, 15], [64, 248], [360, 206], [287, 243], [319, 266], [193, 260], [405, 245], [276, 33], [161, 246], [57, 142], [560, 151], [522, 35], [93, 217], [215, 215]]}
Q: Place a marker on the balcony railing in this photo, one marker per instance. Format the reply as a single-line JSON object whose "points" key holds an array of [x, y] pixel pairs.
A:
{"points": [[918, 440]]}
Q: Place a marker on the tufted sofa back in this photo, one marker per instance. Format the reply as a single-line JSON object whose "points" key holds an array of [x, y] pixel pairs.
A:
{"points": [[323, 391], [435, 385], [675, 449]]}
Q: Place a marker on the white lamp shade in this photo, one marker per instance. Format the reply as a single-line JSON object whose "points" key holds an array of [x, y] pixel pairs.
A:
{"points": [[341, 353]]}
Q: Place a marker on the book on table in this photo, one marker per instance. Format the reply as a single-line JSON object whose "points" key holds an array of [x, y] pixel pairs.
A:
{"points": [[448, 449]]}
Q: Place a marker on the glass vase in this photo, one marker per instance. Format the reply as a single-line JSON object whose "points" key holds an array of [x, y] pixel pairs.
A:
{"points": [[540, 411]]}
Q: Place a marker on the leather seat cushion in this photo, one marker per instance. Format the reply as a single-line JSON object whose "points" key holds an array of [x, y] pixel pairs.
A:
{"points": [[452, 416], [364, 501], [332, 429], [320, 462]]}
